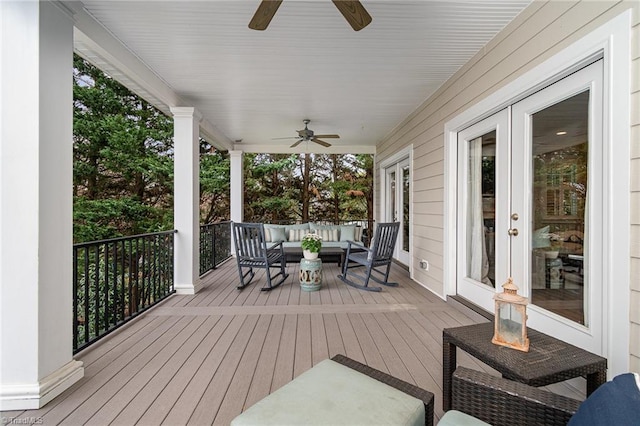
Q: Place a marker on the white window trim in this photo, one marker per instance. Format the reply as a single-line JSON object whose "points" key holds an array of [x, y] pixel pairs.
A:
{"points": [[404, 153], [612, 41]]}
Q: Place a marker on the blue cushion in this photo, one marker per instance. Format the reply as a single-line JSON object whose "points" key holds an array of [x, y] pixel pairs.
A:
{"points": [[540, 238], [347, 233], [275, 233], [278, 234], [615, 403]]}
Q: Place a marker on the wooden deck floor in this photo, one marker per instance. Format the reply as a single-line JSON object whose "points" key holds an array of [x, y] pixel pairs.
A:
{"points": [[202, 359]]}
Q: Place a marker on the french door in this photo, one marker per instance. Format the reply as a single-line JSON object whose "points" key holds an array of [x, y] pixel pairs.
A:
{"points": [[530, 207], [397, 203]]}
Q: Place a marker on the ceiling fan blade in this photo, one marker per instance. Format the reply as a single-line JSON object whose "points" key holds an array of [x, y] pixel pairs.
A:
{"points": [[354, 12], [277, 139], [264, 14], [296, 143], [328, 136], [323, 143]]}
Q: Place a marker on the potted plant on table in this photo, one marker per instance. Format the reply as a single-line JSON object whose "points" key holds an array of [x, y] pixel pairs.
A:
{"points": [[311, 245], [555, 241]]}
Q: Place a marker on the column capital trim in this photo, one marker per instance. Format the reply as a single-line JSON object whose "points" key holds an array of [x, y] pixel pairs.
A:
{"points": [[186, 112]]}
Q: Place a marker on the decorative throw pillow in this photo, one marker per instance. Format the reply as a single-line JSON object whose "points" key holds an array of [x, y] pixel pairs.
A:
{"points": [[328, 234], [317, 227], [288, 228], [347, 233], [278, 234], [615, 403], [540, 238], [358, 234], [269, 235], [297, 234]]}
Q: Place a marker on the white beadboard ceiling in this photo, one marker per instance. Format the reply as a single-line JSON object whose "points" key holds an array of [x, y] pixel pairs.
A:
{"points": [[258, 85]]}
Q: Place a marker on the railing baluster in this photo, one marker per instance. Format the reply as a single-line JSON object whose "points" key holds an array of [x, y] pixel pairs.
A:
{"points": [[96, 315], [140, 275], [132, 271], [106, 287], [75, 298], [123, 252], [86, 293], [155, 268]]}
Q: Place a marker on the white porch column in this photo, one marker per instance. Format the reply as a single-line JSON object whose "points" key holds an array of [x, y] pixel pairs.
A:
{"points": [[36, 118], [186, 199], [237, 186]]}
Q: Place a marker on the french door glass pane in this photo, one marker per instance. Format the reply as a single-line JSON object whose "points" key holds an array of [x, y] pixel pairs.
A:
{"points": [[559, 189], [405, 208], [392, 196], [480, 212]]}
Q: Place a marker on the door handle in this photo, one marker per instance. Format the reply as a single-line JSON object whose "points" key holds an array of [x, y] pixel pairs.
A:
{"points": [[513, 232]]}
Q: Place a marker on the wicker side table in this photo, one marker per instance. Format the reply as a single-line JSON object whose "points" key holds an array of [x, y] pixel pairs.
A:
{"points": [[310, 274], [548, 361]]}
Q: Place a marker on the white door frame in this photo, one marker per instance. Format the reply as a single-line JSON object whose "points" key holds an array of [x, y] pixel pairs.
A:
{"points": [[403, 154], [612, 42], [588, 336], [499, 122]]}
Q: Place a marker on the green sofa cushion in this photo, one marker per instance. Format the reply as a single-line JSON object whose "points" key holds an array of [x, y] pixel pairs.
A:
{"points": [[333, 394]]}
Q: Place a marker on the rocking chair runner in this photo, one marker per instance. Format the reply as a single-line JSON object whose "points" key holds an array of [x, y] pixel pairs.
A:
{"points": [[252, 252], [380, 255]]}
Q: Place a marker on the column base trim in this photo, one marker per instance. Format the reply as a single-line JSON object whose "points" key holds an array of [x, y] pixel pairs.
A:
{"points": [[186, 288], [34, 396]]}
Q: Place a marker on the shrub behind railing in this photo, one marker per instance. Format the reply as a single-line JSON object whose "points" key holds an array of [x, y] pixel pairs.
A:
{"points": [[215, 245], [117, 279]]}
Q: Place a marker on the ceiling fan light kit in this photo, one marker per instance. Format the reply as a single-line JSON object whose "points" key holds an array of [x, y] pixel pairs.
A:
{"points": [[353, 11]]}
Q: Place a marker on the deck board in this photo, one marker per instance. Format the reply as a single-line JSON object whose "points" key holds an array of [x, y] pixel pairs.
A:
{"points": [[263, 376], [202, 359]]}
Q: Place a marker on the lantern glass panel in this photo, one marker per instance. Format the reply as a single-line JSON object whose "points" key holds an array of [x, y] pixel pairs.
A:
{"points": [[510, 323]]}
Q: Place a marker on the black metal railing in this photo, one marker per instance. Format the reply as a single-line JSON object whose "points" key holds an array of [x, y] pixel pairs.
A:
{"points": [[117, 279], [215, 245]]}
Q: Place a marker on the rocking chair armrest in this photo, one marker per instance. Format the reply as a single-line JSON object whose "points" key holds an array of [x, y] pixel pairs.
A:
{"points": [[274, 245], [358, 245]]}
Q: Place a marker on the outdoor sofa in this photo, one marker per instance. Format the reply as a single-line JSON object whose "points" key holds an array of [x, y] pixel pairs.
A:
{"points": [[342, 391], [332, 235], [478, 397]]}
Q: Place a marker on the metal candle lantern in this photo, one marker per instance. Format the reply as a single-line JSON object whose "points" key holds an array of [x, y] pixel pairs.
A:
{"points": [[511, 318]]}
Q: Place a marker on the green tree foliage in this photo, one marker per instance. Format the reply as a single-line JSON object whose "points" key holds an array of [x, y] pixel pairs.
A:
{"points": [[301, 187], [270, 193], [214, 184], [123, 159]]}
